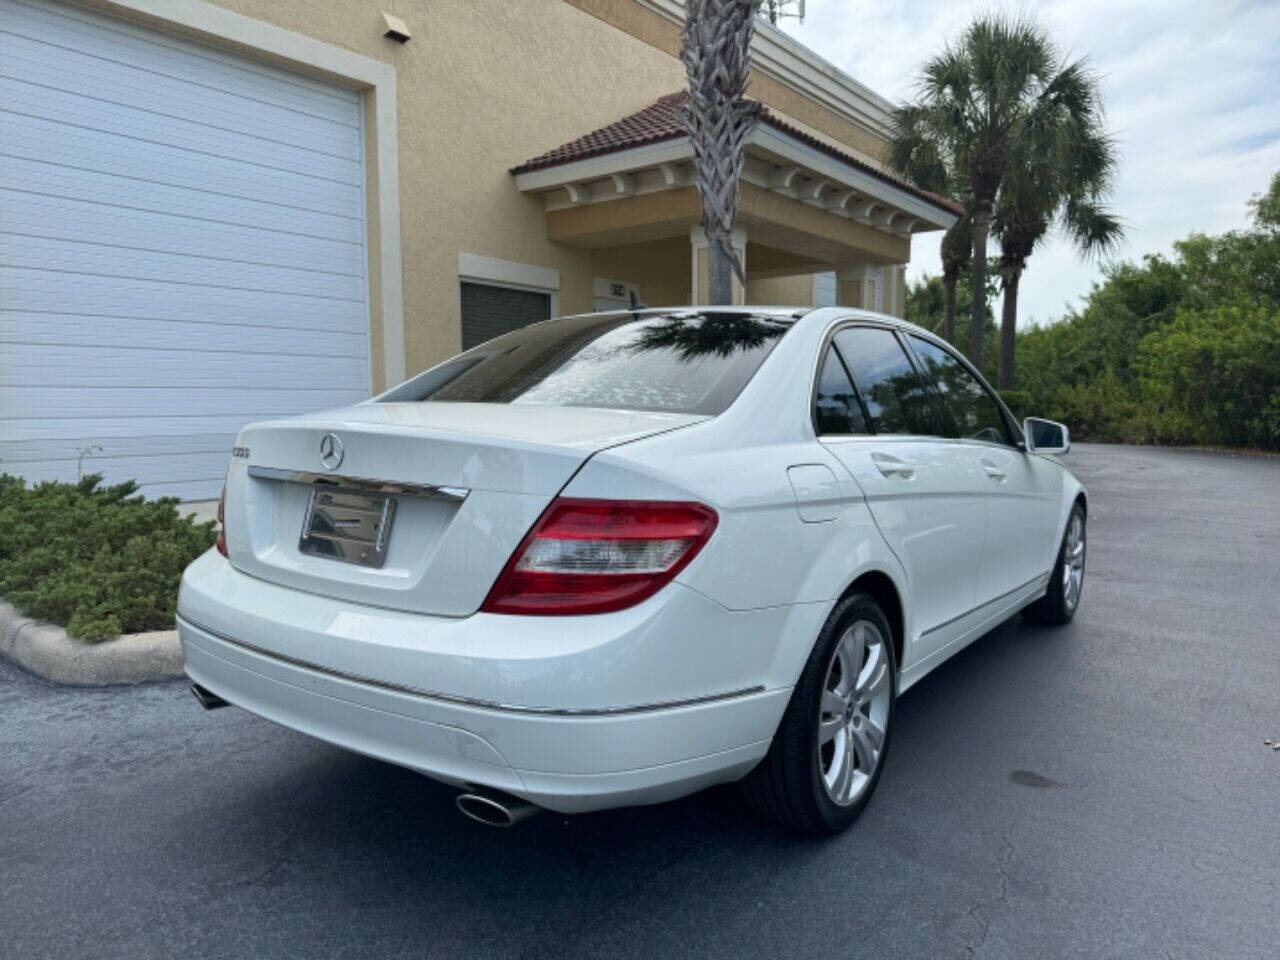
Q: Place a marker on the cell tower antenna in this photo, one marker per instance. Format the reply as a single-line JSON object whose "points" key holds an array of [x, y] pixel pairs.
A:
{"points": [[775, 10]]}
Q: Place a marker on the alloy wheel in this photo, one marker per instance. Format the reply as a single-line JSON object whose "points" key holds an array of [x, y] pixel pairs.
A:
{"points": [[854, 712], [1073, 563]]}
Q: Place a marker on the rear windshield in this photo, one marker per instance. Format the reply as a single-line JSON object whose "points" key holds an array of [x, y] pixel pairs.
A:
{"points": [[684, 362]]}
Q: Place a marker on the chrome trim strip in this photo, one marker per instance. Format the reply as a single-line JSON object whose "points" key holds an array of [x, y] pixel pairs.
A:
{"points": [[429, 490], [472, 701], [987, 603]]}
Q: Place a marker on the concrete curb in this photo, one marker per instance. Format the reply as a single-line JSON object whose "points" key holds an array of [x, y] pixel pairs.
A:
{"points": [[47, 651]]}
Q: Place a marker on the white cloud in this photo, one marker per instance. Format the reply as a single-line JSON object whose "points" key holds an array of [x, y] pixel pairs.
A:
{"points": [[1192, 92]]}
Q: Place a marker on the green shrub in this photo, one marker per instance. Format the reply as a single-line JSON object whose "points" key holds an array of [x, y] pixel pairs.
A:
{"points": [[98, 560], [1103, 409], [1213, 376]]}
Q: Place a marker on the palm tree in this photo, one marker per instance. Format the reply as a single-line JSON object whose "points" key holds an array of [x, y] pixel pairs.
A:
{"points": [[717, 35], [1060, 172], [1002, 82], [916, 152]]}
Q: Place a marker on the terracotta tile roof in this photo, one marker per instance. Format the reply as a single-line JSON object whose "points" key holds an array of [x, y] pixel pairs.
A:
{"points": [[657, 122], [661, 121]]}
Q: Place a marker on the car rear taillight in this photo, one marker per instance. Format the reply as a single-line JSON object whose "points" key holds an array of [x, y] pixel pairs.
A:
{"points": [[595, 556], [221, 542]]}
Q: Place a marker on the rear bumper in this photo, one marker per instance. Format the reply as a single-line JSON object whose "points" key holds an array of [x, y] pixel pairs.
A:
{"points": [[568, 764], [249, 643]]}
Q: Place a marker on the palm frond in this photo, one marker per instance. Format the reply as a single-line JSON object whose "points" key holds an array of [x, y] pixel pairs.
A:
{"points": [[1008, 57], [1073, 90], [1094, 229], [1091, 158], [916, 151]]}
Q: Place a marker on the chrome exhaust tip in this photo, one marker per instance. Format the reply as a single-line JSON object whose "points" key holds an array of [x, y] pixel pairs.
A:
{"points": [[495, 809], [207, 698]]}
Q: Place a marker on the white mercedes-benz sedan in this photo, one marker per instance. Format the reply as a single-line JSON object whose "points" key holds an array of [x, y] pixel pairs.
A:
{"points": [[612, 559]]}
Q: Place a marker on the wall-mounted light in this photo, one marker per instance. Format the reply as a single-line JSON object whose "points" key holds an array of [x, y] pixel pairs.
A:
{"points": [[397, 30]]}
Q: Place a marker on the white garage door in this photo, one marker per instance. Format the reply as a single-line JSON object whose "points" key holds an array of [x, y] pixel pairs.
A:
{"points": [[181, 250]]}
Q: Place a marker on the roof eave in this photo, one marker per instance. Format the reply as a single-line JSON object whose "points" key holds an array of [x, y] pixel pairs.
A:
{"points": [[767, 138]]}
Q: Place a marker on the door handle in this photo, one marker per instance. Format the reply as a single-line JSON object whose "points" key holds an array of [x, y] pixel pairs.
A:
{"points": [[892, 466], [994, 472]]}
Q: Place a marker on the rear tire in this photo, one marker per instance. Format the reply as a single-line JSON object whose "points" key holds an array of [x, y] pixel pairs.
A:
{"points": [[1066, 583], [830, 747]]}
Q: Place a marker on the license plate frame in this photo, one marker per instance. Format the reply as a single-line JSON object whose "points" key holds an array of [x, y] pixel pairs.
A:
{"points": [[348, 524]]}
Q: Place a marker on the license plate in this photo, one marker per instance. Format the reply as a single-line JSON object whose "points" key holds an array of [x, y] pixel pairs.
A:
{"points": [[348, 525]]}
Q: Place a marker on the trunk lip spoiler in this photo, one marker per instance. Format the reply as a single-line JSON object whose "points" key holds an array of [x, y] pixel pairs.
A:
{"points": [[425, 490]]}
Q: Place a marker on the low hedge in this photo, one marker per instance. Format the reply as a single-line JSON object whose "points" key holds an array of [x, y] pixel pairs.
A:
{"points": [[97, 560]]}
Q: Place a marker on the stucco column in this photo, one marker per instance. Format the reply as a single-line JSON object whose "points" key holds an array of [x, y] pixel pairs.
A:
{"points": [[861, 285], [698, 263], [895, 289]]}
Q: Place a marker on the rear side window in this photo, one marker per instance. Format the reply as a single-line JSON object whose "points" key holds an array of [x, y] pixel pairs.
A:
{"points": [[896, 397], [836, 409], [973, 412], [684, 362]]}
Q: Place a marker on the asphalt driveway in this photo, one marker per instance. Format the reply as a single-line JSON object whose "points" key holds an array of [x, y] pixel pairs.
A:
{"points": [[1096, 791]]}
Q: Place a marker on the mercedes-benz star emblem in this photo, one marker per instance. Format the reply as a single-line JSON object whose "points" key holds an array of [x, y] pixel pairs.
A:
{"points": [[330, 451]]}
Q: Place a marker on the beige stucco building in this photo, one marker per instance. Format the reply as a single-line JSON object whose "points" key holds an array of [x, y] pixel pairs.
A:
{"points": [[510, 161]]}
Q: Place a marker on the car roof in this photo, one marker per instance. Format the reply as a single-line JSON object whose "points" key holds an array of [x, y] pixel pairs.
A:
{"points": [[778, 314], [783, 314], [773, 311]]}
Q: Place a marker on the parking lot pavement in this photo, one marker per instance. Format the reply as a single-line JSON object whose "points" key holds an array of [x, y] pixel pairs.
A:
{"points": [[1100, 790]]}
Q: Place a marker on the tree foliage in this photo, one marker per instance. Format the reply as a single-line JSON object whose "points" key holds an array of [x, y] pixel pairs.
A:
{"points": [[1179, 349], [1213, 376]]}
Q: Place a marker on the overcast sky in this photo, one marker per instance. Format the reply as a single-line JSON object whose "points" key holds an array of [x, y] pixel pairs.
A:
{"points": [[1192, 92]]}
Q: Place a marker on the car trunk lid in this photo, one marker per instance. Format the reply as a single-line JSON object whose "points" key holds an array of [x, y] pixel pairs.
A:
{"points": [[409, 506]]}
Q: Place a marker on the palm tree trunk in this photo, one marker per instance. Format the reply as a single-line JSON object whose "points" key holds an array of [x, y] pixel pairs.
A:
{"points": [[949, 307], [1008, 326], [719, 277], [719, 119], [978, 323]]}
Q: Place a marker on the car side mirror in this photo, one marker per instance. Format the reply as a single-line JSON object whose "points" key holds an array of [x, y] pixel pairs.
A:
{"points": [[1045, 436]]}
